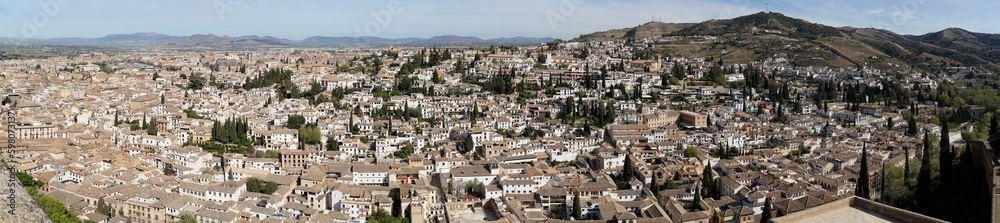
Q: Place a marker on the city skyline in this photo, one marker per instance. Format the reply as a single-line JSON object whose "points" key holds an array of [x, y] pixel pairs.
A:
{"points": [[404, 19]]}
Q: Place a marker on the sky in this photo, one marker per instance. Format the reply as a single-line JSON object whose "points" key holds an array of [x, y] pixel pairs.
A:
{"points": [[298, 19]]}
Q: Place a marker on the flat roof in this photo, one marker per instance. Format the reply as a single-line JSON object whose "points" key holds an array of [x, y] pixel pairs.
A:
{"points": [[854, 209]]}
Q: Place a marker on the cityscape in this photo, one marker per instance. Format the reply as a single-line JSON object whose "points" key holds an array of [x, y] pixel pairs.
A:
{"points": [[733, 115]]}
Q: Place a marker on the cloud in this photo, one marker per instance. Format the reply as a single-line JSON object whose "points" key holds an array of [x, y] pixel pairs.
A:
{"points": [[875, 12]]}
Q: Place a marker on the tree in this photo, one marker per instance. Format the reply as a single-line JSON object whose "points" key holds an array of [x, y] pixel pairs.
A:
{"points": [[911, 126], [767, 212], [102, 207], [469, 144], [697, 196], [882, 185], [309, 134], [906, 165], [889, 124], [475, 113], [629, 169], [706, 175], [690, 152], [152, 129], [655, 186], [994, 122], [332, 144], [167, 170], [923, 193], [295, 121], [261, 186], [577, 211], [862, 186], [946, 157], [187, 218]]}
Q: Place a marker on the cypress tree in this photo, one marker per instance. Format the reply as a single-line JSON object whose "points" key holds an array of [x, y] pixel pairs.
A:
{"points": [[766, 215], [577, 212], [655, 187], [966, 158], [862, 186], [881, 191], [697, 195], [993, 124], [475, 112], [946, 156], [627, 172], [924, 177], [911, 126], [906, 166]]}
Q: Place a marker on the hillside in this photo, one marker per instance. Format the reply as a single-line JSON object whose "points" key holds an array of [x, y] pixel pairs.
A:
{"points": [[762, 35], [650, 29]]}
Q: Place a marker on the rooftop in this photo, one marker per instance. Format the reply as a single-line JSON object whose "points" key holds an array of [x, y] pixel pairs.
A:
{"points": [[854, 209]]}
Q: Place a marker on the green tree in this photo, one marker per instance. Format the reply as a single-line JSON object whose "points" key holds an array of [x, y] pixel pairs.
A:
{"points": [[102, 207], [946, 157], [468, 145], [169, 171], [309, 134], [924, 177], [994, 122], [697, 196], [862, 186], [475, 113], [911, 126], [332, 144], [295, 121], [261, 186], [655, 186], [187, 218], [404, 152], [906, 165], [628, 170], [691, 152], [767, 212], [27, 180], [577, 210], [152, 129]]}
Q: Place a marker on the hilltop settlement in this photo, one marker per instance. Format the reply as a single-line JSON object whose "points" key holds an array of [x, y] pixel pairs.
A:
{"points": [[592, 131]]}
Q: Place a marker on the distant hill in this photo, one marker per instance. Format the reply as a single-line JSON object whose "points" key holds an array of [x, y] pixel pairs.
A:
{"points": [[225, 41], [650, 29], [137, 38], [209, 40], [763, 35], [437, 40]]}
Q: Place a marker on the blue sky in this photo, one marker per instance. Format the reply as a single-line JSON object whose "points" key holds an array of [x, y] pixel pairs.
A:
{"points": [[297, 19]]}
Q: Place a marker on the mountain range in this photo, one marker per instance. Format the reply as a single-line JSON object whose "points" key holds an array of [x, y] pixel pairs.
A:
{"points": [[210, 40], [742, 39], [763, 35]]}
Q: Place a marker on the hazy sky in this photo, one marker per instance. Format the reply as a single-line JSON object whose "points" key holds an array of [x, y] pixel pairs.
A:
{"points": [[297, 19]]}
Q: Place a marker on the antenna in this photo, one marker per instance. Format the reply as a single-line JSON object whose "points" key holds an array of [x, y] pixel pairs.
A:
{"points": [[767, 8]]}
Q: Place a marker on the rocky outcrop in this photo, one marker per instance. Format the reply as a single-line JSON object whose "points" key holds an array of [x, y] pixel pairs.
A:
{"points": [[25, 209]]}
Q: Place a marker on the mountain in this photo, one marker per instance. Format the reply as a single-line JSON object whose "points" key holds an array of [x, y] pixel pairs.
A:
{"points": [[765, 35], [760, 22], [650, 29], [209, 40], [137, 38]]}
